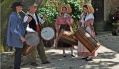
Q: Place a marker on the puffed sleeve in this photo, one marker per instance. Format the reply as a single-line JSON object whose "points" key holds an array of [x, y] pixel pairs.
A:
{"points": [[90, 20]]}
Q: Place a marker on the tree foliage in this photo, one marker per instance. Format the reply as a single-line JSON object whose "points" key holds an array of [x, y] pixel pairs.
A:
{"points": [[45, 7], [50, 10], [5, 12]]}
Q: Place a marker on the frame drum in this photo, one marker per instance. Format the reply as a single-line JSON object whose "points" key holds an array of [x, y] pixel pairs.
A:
{"points": [[47, 33], [32, 38]]}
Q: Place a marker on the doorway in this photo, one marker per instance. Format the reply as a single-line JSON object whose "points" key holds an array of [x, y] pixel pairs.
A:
{"points": [[98, 14]]}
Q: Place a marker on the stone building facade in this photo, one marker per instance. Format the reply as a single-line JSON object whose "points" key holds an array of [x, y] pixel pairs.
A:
{"points": [[102, 9]]}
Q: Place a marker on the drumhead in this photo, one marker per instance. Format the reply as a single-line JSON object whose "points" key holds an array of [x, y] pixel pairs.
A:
{"points": [[47, 33], [32, 39]]}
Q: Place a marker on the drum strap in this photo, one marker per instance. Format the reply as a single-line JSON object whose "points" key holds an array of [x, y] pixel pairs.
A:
{"points": [[38, 27], [84, 21]]}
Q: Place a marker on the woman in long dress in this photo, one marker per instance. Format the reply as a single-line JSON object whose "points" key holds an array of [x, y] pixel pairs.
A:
{"points": [[86, 21], [63, 21]]}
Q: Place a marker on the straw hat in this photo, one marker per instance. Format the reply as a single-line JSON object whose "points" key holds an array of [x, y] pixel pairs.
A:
{"points": [[90, 7], [81, 4], [69, 9]]}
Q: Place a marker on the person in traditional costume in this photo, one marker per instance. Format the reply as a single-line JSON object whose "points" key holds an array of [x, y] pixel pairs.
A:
{"points": [[35, 26], [86, 21], [63, 22], [16, 32]]}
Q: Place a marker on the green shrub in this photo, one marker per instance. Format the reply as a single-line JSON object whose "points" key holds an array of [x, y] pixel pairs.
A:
{"points": [[108, 22], [51, 12]]}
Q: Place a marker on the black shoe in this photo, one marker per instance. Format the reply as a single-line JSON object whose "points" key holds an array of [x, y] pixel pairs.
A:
{"points": [[84, 58], [72, 55], [34, 64], [64, 55], [47, 62], [89, 59]]}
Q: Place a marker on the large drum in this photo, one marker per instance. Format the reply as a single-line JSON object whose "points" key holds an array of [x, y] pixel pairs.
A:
{"points": [[27, 49], [48, 34], [87, 40], [68, 37], [32, 40]]}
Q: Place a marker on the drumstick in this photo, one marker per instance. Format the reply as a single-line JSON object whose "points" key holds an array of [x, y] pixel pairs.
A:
{"points": [[24, 13]]}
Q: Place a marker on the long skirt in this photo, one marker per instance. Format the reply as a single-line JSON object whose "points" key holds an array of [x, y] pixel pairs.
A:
{"points": [[82, 50]]}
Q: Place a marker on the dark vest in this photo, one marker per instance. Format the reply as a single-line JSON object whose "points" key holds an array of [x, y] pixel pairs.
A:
{"points": [[32, 23]]}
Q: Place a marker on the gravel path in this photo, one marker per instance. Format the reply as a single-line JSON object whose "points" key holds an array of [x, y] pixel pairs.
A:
{"points": [[108, 57]]}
